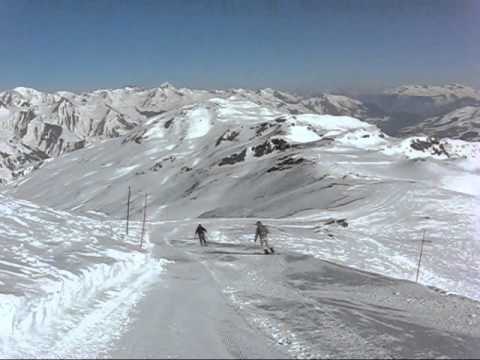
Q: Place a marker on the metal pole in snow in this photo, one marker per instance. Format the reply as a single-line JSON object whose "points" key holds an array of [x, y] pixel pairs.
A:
{"points": [[420, 257], [128, 207], [144, 218]]}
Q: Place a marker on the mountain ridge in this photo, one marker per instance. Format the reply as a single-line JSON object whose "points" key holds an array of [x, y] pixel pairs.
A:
{"points": [[38, 125]]}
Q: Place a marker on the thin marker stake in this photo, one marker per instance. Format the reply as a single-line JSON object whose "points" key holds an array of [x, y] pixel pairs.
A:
{"points": [[128, 207], [144, 218], [420, 257]]}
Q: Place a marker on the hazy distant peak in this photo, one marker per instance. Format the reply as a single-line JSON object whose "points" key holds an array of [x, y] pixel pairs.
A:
{"points": [[448, 90]]}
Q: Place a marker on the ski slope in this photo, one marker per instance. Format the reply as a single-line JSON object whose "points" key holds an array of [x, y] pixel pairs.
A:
{"points": [[65, 277], [232, 158], [330, 188]]}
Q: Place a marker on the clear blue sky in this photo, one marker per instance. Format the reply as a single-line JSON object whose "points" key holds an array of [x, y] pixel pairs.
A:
{"points": [[293, 45]]}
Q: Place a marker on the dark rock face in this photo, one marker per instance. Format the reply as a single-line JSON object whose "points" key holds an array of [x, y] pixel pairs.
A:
{"points": [[159, 164], [341, 222], [269, 146], [16, 162], [227, 136], [430, 144], [137, 137], [280, 144], [192, 188], [286, 162], [67, 113], [261, 128], [234, 158], [50, 136], [23, 120], [149, 114], [168, 123]]}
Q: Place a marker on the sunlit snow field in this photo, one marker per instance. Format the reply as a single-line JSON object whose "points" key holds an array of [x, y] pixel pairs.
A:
{"points": [[64, 271], [61, 275]]}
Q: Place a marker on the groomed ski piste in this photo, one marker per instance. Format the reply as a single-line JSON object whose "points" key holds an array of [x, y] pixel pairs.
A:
{"points": [[346, 206]]}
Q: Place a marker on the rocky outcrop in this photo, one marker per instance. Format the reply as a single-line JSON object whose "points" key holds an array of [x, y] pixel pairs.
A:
{"points": [[432, 145], [234, 158]]}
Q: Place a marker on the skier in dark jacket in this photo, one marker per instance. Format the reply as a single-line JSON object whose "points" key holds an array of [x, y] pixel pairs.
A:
{"points": [[262, 233], [201, 234]]}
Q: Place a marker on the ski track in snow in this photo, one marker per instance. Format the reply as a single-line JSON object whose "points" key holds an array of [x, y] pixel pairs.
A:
{"points": [[87, 315], [373, 243], [92, 277], [76, 313]]}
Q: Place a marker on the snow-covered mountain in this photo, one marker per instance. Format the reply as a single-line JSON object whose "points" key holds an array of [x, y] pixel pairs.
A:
{"points": [[37, 125], [429, 100], [442, 94], [462, 123], [232, 158], [210, 137], [329, 187], [408, 106]]}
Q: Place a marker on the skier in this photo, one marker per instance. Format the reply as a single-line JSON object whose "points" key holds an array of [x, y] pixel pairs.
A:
{"points": [[262, 233], [201, 235]]}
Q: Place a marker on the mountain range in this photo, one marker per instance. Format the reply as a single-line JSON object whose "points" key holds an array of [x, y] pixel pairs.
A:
{"points": [[36, 126], [329, 175]]}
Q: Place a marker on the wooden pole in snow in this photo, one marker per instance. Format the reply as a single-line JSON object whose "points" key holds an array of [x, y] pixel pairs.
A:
{"points": [[128, 207], [144, 218], [420, 257]]}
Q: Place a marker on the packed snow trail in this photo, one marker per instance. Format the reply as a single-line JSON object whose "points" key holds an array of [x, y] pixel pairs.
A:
{"points": [[186, 315], [228, 300]]}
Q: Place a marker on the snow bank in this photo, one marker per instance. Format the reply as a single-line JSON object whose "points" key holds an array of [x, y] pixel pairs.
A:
{"points": [[61, 274]]}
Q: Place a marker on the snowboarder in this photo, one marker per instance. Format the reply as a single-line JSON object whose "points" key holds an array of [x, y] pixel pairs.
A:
{"points": [[262, 233], [201, 234]]}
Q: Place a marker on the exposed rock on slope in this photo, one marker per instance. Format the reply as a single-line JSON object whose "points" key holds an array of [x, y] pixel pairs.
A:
{"points": [[56, 123]]}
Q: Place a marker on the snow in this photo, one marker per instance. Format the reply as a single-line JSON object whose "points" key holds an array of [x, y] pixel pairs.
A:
{"points": [[70, 275], [460, 148], [302, 134], [363, 139], [65, 275], [464, 183], [456, 149], [4, 114], [331, 122], [199, 121], [236, 108], [156, 132], [309, 307], [125, 170], [450, 90]]}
